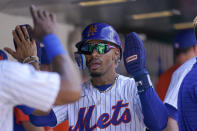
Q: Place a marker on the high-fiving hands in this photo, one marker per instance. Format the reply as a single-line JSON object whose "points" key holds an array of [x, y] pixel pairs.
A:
{"points": [[25, 46], [44, 23]]}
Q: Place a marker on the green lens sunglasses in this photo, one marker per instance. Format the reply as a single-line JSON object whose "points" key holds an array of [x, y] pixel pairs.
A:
{"points": [[101, 48]]}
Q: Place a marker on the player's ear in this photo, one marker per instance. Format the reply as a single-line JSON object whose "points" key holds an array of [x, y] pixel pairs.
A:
{"points": [[195, 49], [116, 55]]}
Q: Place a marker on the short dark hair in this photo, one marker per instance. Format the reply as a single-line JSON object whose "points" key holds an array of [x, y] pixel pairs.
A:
{"points": [[178, 52]]}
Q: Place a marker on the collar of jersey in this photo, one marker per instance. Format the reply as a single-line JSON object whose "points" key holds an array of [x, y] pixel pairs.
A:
{"points": [[103, 87]]}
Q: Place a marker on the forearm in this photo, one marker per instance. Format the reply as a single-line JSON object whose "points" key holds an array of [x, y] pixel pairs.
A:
{"points": [[172, 125], [154, 111], [70, 78], [61, 63]]}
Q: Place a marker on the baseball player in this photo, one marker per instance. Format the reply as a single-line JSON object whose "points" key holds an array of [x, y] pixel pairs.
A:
{"points": [[187, 99], [185, 48], [21, 121], [111, 101], [21, 84]]}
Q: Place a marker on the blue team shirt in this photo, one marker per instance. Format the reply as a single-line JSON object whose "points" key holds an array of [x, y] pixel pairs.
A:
{"points": [[187, 102]]}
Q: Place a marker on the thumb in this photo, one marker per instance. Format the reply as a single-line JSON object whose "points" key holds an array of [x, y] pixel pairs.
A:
{"points": [[10, 51]]}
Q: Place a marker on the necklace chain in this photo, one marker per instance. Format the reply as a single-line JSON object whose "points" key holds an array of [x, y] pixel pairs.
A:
{"points": [[109, 88]]}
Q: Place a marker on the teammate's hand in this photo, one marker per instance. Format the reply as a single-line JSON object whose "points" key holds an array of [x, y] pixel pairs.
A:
{"points": [[134, 54], [44, 23], [195, 26], [25, 47]]}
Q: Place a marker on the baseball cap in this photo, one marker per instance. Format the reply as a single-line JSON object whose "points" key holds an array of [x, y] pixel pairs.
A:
{"points": [[184, 39], [3, 55]]}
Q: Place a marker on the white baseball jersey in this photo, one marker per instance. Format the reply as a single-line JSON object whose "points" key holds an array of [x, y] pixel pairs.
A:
{"points": [[21, 84], [175, 83], [118, 109]]}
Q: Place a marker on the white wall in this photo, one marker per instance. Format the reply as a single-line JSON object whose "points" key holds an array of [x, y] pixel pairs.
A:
{"points": [[8, 23]]}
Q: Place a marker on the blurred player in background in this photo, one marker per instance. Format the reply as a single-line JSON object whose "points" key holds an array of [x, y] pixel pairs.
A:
{"points": [[21, 121], [187, 105], [185, 48]]}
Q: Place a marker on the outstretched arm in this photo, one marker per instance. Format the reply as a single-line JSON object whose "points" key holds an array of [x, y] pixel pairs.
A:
{"points": [[154, 111], [45, 30]]}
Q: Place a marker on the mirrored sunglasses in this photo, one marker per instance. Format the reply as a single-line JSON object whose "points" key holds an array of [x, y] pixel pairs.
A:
{"points": [[101, 48]]}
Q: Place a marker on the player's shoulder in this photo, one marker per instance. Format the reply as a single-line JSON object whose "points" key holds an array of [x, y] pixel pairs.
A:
{"points": [[168, 73], [187, 65], [7, 65], [124, 80]]}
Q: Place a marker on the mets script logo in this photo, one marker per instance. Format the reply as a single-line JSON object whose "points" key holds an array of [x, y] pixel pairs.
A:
{"points": [[92, 30], [84, 117]]}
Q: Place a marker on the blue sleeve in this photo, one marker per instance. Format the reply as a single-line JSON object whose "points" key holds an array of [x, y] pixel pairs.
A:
{"points": [[48, 120], [154, 111], [53, 46], [27, 110], [172, 112]]}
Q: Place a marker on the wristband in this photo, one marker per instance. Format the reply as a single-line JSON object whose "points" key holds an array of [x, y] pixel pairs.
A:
{"points": [[32, 61], [142, 80], [53, 46], [31, 58]]}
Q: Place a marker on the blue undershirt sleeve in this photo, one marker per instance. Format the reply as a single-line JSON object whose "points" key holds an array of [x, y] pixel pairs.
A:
{"points": [[172, 112], [48, 120], [154, 111]]}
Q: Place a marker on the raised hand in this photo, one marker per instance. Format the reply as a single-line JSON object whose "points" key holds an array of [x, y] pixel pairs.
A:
{"points": [[25, 47], [44, 23], [134, 54]]}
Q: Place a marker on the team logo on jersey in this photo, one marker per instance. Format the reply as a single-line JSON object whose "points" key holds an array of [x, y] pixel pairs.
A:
{"points": [[131, 58], [92, 30], [84, 117]]}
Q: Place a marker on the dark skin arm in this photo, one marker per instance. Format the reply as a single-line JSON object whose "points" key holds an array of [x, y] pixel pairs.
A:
{"points": [[45, 23], [172, 125], [70, 91]]}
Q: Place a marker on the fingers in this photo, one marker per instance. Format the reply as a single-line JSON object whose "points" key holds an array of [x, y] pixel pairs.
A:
{"points": [[41, 14], [10, 51], [53, 17], [45, 13], [34, 14], [26, 34], [16, 39], [20, 33], [33, 42], [31, 31]]}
